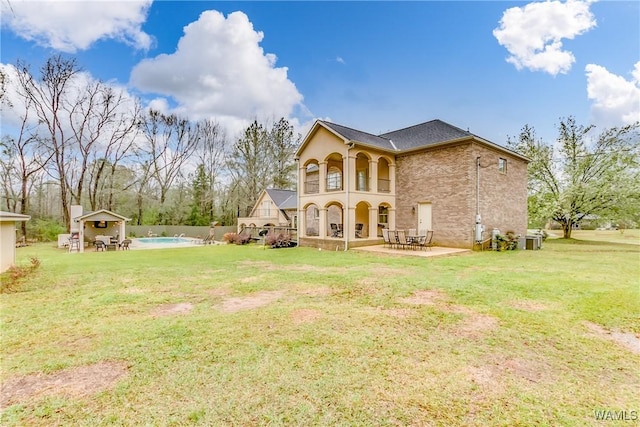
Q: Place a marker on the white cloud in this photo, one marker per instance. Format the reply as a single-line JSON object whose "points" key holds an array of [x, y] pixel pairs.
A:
{"points": [[615, 100], [69, 26], [340, 60], [533, 34], [220, 71]]}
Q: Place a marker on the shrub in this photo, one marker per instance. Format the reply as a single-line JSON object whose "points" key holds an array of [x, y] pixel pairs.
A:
{"points": [[46, 230], [507, 242], [238, 239], [278, 240], [12, 278]]}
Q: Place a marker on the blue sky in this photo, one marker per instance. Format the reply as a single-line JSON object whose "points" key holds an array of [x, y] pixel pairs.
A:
{"points": [[373, 66]]}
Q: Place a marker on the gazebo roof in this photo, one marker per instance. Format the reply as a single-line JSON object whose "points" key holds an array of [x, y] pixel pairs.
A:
{"points": [[101, 215]]}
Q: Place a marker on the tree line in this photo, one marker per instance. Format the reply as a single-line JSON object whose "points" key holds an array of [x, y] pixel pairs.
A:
{"points": [[85, 142]]}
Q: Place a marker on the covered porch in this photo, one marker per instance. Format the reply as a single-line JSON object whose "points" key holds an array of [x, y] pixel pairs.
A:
{"points": [[103, 225]]}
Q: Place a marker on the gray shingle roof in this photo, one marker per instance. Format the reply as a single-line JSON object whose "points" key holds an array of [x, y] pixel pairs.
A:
{"points": [[359, 136], [284, 199], [425, 134]]}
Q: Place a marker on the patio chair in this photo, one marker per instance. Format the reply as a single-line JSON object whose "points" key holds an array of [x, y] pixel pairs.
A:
{"points": [[74, 243], [386, 238], [100, 245], [124, 245], [426, 241], [359, 228], [334, 229], [401, 239]]}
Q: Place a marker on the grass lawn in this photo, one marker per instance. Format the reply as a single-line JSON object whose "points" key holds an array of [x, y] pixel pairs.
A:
{"points": [[231, 335]]}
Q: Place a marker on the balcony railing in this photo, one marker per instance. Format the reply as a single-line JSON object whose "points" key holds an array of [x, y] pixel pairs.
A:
{"points": [[384, 185], [312, 187], [334, 183]]}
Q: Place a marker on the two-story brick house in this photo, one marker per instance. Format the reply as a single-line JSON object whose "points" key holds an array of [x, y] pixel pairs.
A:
{"points": [[431, 176]]}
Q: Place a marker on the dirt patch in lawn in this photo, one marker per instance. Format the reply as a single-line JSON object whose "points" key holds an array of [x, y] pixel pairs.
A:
{"points": [[529, 305], [172, 309], [474, 324], [628, 340], [76, 382], [268, 266], [217, 292], [249, 302], [426, 297], [305, 315], [316, 292]]}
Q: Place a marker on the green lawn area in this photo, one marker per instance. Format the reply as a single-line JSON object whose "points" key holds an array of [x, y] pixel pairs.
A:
{"points": [[239, 335]]}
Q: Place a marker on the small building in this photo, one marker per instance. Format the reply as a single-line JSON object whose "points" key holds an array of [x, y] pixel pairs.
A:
{"points": [[431, 176], [97, 225], [274, 208], [8, 222]]}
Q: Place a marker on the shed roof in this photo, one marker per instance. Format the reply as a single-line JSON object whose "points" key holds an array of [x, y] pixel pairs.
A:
{"points": [[12, 216]]}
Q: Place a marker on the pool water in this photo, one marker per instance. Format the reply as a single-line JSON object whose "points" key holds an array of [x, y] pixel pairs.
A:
{"points": [[161, 240]]}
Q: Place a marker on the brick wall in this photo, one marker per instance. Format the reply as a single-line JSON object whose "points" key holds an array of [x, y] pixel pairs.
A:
{"points": [[446, 178]]}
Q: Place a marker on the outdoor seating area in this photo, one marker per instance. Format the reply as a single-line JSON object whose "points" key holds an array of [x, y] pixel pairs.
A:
{"points": [[336, 230], [105, 243], [408, 239]]}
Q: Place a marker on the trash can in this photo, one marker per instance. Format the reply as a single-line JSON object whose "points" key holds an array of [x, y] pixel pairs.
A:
{"points": [[522, 242]]}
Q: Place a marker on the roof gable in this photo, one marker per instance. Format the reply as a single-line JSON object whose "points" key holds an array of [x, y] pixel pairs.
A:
{"points": [[282, 198], [359, 136], [425, 134], [102, 215]]}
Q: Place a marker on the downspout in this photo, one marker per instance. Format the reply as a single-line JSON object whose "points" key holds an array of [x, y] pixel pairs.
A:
{"points": [[346, 230], [298, 191], [477, 187]]}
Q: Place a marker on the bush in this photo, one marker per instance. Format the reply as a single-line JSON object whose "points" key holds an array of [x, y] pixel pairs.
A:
{"points": [[11, 279], [45, 230], [278, 240], [238, 239], [507, 242]]}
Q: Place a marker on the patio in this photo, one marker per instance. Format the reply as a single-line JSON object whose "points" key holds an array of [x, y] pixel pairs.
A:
{"points": [[434, 252]]}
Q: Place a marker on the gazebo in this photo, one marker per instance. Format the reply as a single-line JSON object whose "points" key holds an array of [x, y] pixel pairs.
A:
{"points": [[99, 225]]}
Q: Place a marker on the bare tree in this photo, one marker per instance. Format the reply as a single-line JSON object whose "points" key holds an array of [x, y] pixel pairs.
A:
{"points": [[22, 158], [211, 156], [48, 98], [249, 166], [117, 144], [171, 141]]}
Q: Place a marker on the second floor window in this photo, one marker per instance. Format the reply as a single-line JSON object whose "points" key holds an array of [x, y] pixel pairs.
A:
{"points": [[502, 165], [334, 179]]}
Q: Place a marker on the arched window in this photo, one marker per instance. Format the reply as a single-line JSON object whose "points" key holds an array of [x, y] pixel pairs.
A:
{"points": [[334, 179], [312, 179]]}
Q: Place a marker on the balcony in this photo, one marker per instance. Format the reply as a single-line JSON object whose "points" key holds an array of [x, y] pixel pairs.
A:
{"points": [[384, 185], [311, 187]]}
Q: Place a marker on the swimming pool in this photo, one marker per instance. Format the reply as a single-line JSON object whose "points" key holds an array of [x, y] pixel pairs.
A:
{"points": [[163, 240]]}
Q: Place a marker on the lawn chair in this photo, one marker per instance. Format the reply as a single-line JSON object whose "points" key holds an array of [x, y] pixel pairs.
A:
{"points": [[100, 245], [426, 241], [359, 228], [386, 238], [401, 238], [124, 245]]}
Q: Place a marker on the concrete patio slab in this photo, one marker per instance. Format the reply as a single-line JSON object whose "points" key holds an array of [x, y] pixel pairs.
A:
{"points": [[434, 252]]}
